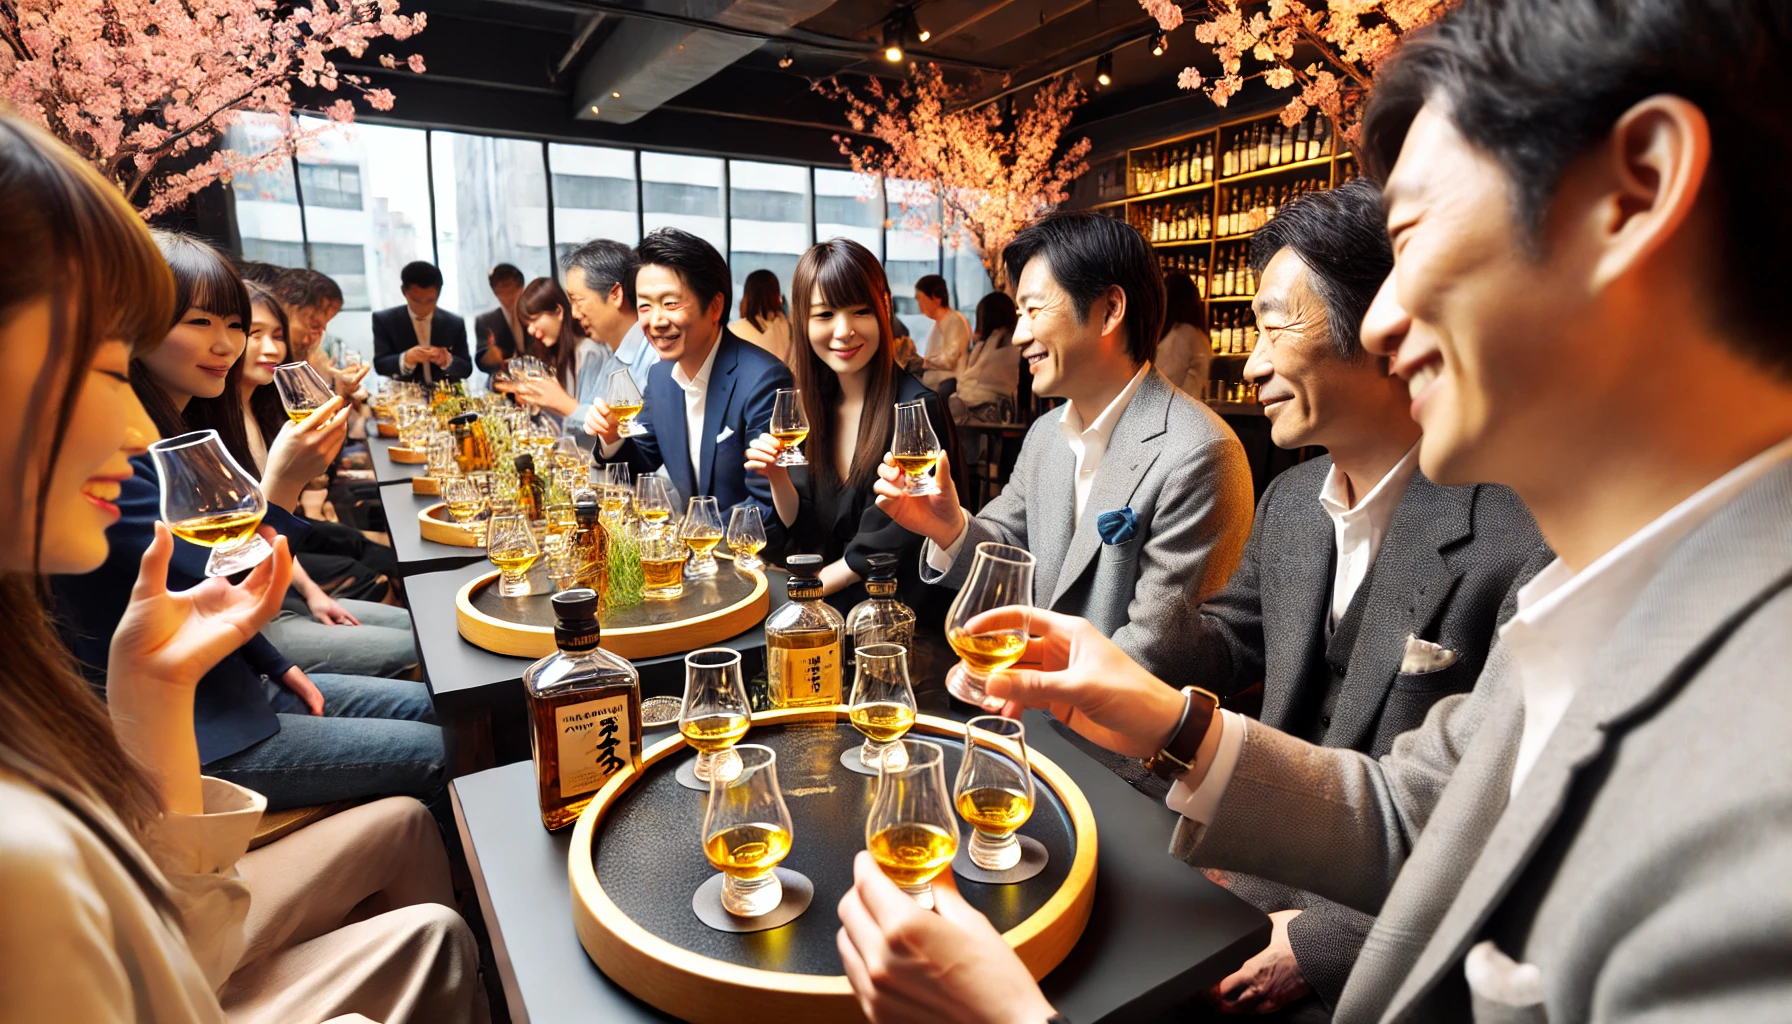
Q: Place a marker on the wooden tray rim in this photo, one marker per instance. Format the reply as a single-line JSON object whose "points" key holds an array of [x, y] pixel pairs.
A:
{"points": [[404, 456], [467, 615], [1042, 940], [436, 528], [425, 485]]}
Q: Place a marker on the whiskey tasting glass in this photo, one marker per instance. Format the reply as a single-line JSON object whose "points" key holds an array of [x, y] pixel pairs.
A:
{"points": [[511, 547], [882, 705], [747, 831], [915, 447], [994, 790], [209, 500], [662, 559], [701, 532], [653, 500], [746, 536], [626, 402], [1001, 576], [302, 389], [790, 425], [911, 830], [716, 712]]}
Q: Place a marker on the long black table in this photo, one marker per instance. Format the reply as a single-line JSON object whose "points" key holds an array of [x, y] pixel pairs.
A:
{"points": [[416, 555], [384, 469], [1160, 933]]}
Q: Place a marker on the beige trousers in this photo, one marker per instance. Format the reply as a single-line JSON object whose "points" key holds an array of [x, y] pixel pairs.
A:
{"points": [[354, 915]]}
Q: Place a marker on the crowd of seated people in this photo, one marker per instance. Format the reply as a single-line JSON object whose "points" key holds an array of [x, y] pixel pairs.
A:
{"points": [[1479, 707]]}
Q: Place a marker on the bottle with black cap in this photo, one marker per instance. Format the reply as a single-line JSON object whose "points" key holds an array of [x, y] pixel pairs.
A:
{"points": [[881, 618], [531, 495], [803, 641], [584, 711], [471, 450]]}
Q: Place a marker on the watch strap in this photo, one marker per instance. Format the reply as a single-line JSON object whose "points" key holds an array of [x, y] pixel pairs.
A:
{"points": [[1178, 753]]}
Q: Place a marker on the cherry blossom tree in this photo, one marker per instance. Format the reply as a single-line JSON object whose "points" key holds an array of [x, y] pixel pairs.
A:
{"points": [[993, 173], [133, 85], [1352, 38]]}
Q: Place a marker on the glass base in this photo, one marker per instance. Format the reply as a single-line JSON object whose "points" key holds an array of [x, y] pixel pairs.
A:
{"points": [[994, 853], [922, 485], [922, 894], [700, 567], [247, 555], [513, 587], [663, 593], [892, 755], [961, 683], [752, 897], [748, 562], [790, 457], [723, 765]]}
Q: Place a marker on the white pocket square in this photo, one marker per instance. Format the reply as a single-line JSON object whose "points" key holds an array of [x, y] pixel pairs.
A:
{"points": [[1423, 656], [727, 432], [1501, 980]]}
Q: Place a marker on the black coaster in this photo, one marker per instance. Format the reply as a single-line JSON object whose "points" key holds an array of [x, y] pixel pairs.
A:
{"points": [[686, 774], [799, 892], [1032, 861], [849, 759]]}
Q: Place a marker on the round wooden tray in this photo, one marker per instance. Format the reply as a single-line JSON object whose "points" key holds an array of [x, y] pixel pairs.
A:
{"points": [[635, 860], [388, 428], [425, 485], [401, 454], [709, 611], [434, 523]]}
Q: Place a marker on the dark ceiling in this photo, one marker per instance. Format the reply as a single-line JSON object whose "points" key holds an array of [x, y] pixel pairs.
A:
{"points": [[704, 75]]}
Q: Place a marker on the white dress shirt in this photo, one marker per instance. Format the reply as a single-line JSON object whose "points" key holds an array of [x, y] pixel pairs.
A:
{"points": [[1563, 620], [949, 342], [1088, 444], [696, 392], [421, 326], [1358, 530]]}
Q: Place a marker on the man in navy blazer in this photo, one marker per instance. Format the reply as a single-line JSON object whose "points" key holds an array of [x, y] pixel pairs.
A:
{"points": [[417, 341], [709, 394]]}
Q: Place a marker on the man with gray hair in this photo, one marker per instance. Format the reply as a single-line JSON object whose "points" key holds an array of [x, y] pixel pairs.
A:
{"points": [[600, 281]]}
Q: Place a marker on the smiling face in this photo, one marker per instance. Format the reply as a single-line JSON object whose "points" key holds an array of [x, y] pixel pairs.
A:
{"points": [[546, 326], [197, 355], [675, 323], [266, 349], [1054, 341], [106, 427], [844, 337]]}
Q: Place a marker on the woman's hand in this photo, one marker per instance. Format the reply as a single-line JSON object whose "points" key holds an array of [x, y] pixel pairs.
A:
{"points": [[762, 458], [325, 610], [300, 684], [546, 393], [347, 380], [303, 450]]}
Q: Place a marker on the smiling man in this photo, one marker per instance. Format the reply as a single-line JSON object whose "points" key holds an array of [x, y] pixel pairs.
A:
{"points": [[1134, 498], [709, 395]]}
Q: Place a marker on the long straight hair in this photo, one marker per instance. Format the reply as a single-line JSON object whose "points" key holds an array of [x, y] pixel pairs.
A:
{"points": [[543, 295], [203, 279], [848, 275], [264, 402], [67, 236]]}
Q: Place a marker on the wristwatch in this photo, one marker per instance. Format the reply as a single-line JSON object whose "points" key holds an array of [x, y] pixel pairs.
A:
{"points": [[1178, 753]]}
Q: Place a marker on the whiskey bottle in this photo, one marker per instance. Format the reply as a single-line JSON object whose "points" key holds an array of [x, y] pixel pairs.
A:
{"points": [[470, 449], [590, 547], [530, 493], [584, 712], [803, 642], [881, 618]]}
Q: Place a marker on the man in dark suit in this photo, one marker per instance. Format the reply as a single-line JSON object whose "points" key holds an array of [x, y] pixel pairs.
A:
{"points": [[710, 393], [496, 332], [417, 341]]}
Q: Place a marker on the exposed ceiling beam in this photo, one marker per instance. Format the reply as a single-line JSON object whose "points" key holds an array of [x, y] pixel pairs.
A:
{"points": [[578, 44]]}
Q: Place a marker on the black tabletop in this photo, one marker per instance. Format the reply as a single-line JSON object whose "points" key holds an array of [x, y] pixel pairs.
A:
{"points": [[1160, 932], [384, 469], [416, 555]]}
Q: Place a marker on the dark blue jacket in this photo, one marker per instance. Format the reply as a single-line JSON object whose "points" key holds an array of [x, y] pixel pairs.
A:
{"points": [[742, 383], [393, 336], [230, 707]]}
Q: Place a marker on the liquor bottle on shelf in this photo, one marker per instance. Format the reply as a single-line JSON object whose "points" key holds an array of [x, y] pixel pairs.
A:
{"points": [[803, 642], [1262, 145], [881, 618], [1325, 137], [1275, 145], [584, 712]]}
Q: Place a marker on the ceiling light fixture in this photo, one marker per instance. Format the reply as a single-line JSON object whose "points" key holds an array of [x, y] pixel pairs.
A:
{"points": [[1104, 69], [915, 31], [616, 95], [788, 59], [1160, 41], [893, 40], [594, 109]]}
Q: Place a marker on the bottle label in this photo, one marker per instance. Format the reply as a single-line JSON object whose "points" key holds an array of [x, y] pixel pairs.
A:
{"points": [[804, 676], [594, 743]]}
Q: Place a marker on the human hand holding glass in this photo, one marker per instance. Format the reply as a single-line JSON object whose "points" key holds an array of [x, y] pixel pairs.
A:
{"points": [[1001, 575], [911, 830], [625, 402], [208, 499], [716, 712], [915, 447], [790, 425], [302, 389], [747, 831], [746, 536]]}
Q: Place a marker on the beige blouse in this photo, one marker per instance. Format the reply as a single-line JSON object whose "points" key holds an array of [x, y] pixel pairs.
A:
{"points": [[774, 339]]}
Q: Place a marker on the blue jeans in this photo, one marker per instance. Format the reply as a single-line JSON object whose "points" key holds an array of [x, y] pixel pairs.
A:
{"points": [[381, 645], [376, 737]]}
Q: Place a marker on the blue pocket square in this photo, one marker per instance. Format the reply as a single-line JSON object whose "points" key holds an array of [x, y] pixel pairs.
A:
{"points": [[1117, 525]]}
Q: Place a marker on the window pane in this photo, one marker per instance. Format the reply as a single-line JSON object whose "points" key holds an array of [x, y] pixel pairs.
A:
{"points": [[847, 206], [768, 207], [965, 275], [594, 195], [372, 217], [491, 208], [267, 203], [912, 249], [683, 192]]}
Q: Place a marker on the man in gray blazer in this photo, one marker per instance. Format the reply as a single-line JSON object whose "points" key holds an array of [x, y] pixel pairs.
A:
{"points": [[1134, 499], [1367, 593], [1602, 829]]}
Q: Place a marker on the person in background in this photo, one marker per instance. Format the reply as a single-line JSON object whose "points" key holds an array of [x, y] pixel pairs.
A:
{"points": [[711, 392], [579, 367], [130, 894], [498, 333], [419, 341], [949, 342], [904, 348], [762, 320], [261, 720], [1135, 500], [850, 387], [987, 387], [1185, 352], [600, 283], [319, 632]]}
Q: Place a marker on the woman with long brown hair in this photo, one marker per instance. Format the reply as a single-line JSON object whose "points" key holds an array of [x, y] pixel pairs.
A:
{"points": [[578, 367], [123, 872], [843, 363]]}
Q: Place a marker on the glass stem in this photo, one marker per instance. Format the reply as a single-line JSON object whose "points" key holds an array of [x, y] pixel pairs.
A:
{"points": [[993, 852], [923, 894]]}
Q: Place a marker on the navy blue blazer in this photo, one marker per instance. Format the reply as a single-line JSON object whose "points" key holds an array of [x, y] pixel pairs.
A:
{"points": [[742, 383], [393, 335], [230, 708]]}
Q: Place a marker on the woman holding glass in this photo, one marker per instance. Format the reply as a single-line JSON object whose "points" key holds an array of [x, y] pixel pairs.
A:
{"points": [[129, 894], [578, 367], [850, 387], [261, 719]]}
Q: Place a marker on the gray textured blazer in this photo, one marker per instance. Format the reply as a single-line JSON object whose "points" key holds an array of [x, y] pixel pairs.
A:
{"points": [[1642, 867], [1452, 558], [1183, 473]]}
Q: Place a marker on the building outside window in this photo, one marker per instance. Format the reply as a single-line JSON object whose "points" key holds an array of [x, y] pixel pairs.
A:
{"points": [[768, 207], [594, 195], [849, 205], [683, 192], [491, 208], [267, 202], [965, 275]]}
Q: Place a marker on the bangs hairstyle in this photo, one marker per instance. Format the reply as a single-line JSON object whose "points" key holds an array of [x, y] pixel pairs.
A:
{"points": [[265, 406], [544, 295], [66, 235], [848, 276], [205, 280]]}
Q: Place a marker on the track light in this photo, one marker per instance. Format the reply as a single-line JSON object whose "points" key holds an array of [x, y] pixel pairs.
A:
{"points": [[788, 59], [594, 109], [915, 31], [1160, 41], [893, 40], [1104, 69]]}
